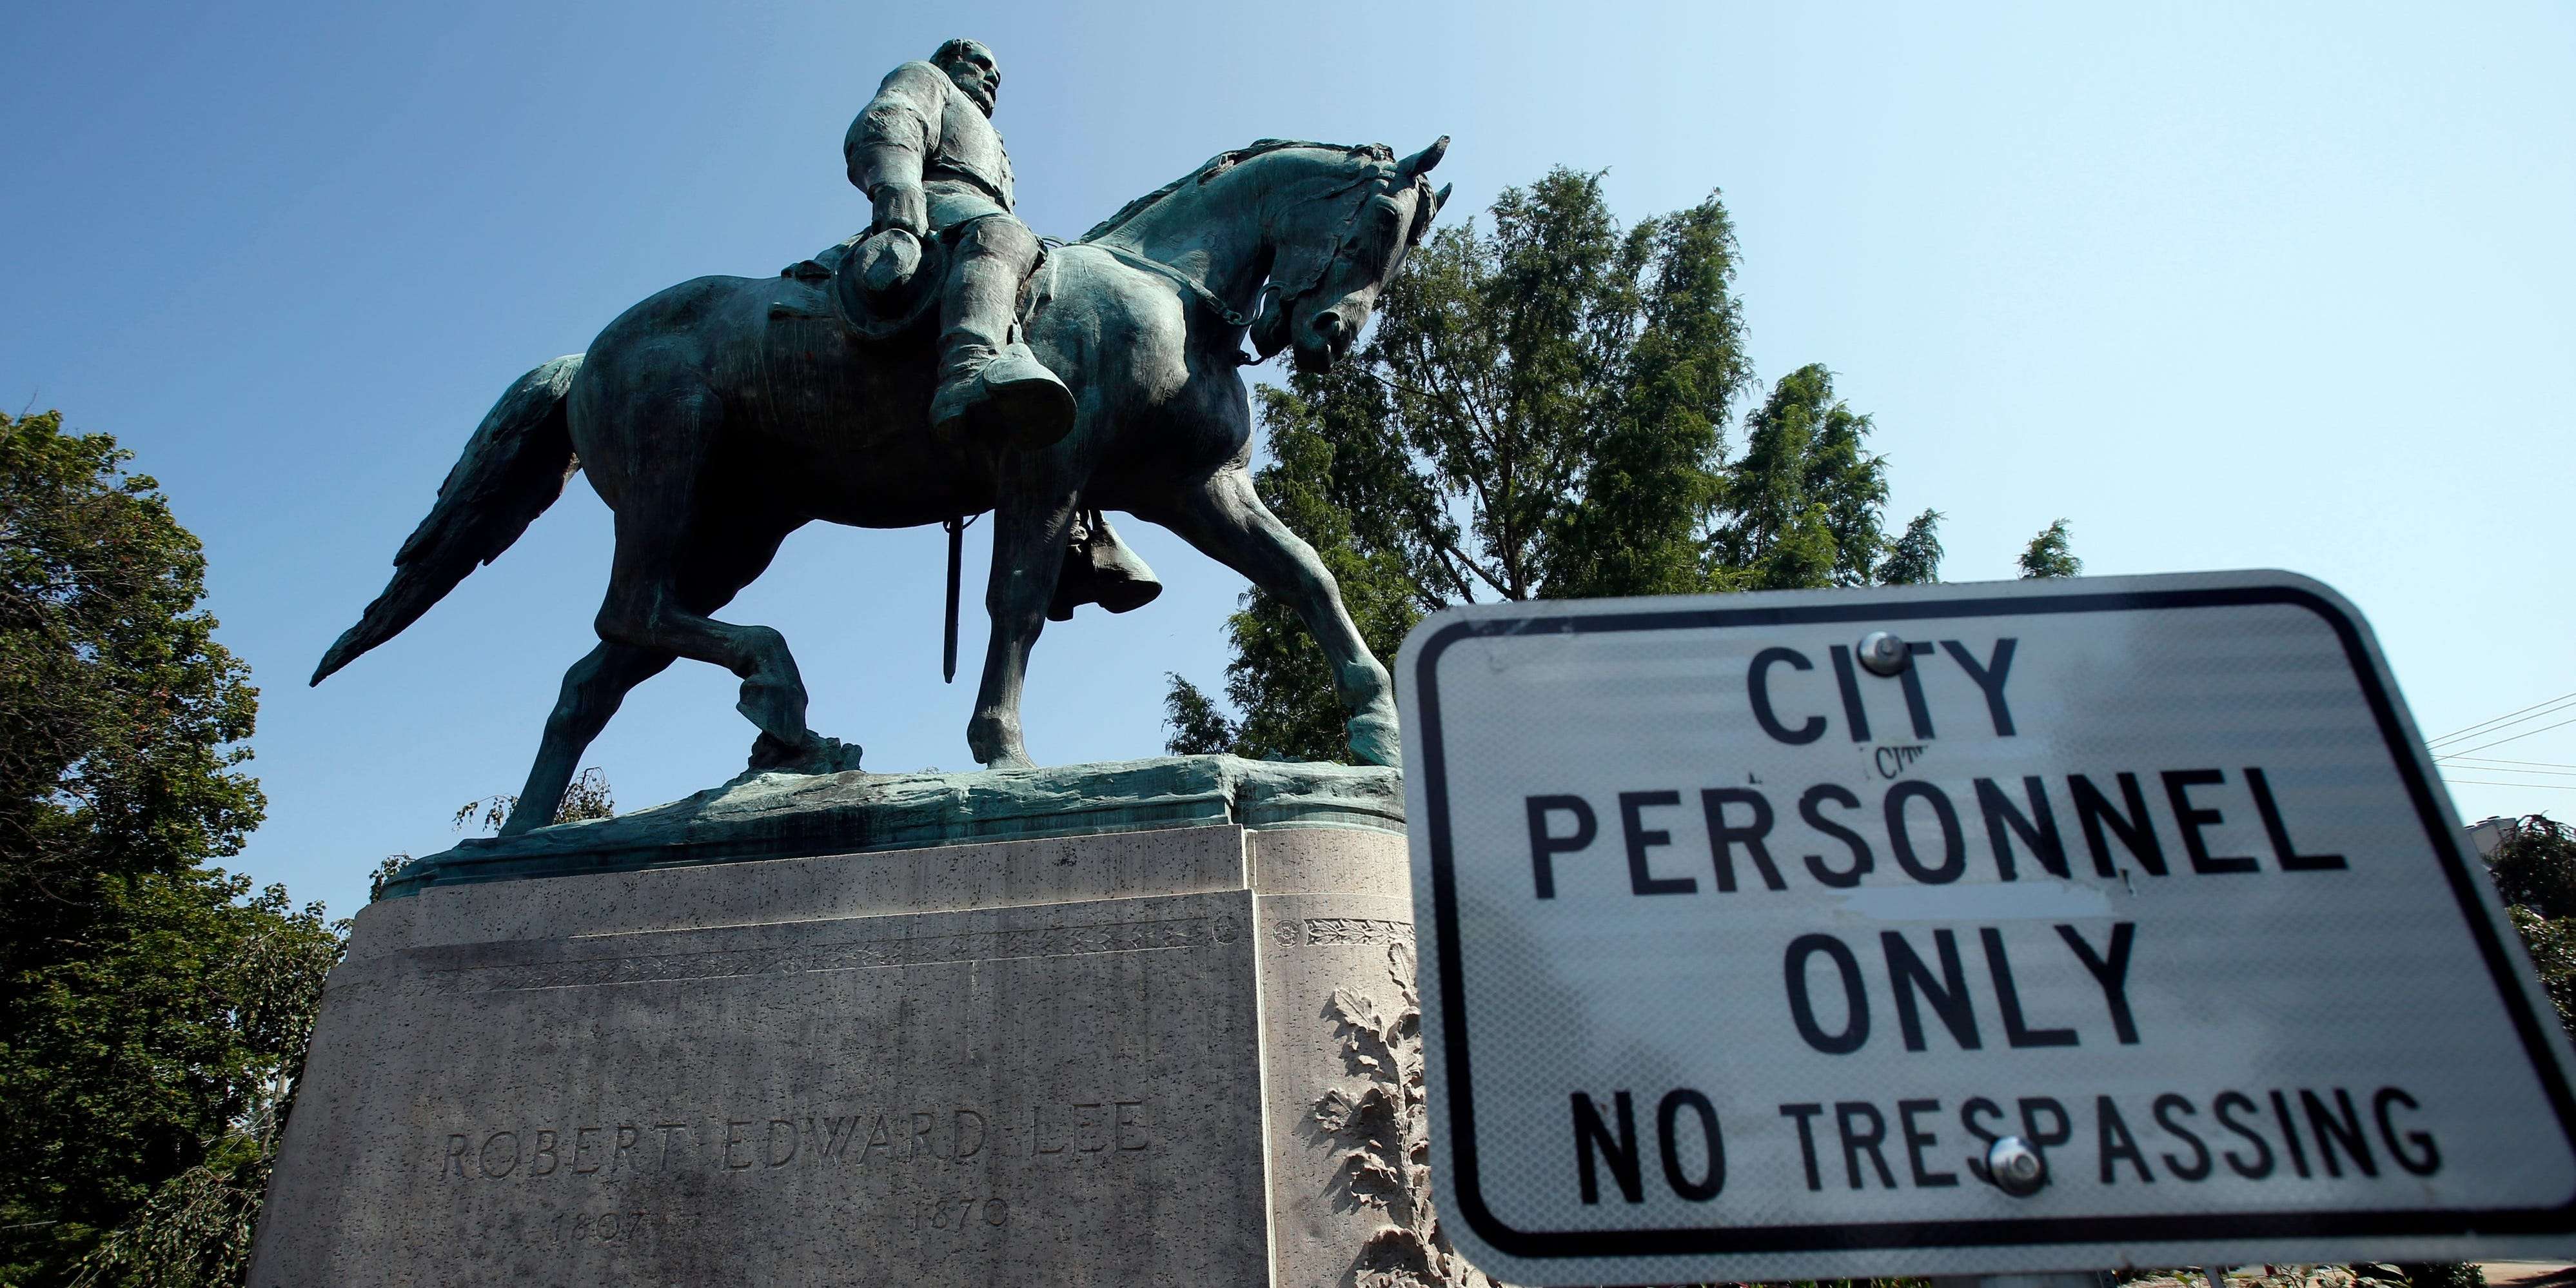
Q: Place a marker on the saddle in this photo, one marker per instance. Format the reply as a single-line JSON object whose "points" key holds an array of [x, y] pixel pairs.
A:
{"points": [[879, 288], [885, 289]]}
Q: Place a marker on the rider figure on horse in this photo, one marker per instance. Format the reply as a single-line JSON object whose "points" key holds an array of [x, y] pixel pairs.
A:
{"points": [[926, 153]]}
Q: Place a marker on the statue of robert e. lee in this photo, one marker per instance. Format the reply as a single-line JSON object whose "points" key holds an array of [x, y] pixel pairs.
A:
{"points": [[1284, 244], [925, 152]]}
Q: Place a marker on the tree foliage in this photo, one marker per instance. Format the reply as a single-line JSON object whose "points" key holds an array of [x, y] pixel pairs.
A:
{"points": [[1914, 558], [1802, 506], [124, 716], [1538, 411], [2535, 867], [2049, 556], [1199, 727], [2553, 953], [1541, 412], [587, 796], [150, 1003], [193, 1230], [2535, 873]]}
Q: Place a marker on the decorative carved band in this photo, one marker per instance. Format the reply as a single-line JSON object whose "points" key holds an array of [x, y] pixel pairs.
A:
{"points": [[1057, 941], [1341, 930]]}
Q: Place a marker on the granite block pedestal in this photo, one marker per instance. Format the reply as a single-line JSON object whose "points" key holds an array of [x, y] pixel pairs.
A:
{"points": [[1086, 1046]]}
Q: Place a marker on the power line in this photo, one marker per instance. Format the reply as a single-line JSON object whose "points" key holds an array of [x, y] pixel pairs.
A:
{"points": [[2490, 766], [2508, 722], [2516, 737], [2481, 724], [2497, 760], [2529, 713], [2488, 782]]}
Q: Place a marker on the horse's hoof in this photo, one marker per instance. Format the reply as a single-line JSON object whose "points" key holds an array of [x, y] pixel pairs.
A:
{"points": [[819, 755], [775, 698], [1376, 741], [523, 820], [769, 751]]}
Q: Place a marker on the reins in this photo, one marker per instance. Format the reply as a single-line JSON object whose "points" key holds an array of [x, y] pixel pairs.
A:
{"points": [[1216, 304], [1195, 287], [1225, 312]]}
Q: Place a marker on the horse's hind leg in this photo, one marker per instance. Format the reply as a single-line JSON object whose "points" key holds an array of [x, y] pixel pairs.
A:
{"points": [[727, 556], [675, 529], [592, 691]]}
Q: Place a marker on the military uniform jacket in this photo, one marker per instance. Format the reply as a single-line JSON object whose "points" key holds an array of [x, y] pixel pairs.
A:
{"points": [[921, 127]]}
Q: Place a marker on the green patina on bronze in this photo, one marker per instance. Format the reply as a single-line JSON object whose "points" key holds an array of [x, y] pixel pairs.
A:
{"points": [[784, 816], [726, 412]]}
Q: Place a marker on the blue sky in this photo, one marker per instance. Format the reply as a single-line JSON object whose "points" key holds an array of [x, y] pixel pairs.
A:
{"points": [[2226, 286]]}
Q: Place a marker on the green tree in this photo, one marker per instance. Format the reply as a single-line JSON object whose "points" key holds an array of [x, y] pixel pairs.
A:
{"points": [[2535, 867], [1540, 412], [2535, 873], [267, 963], [1801, 507], [144, 1019], [1198, 726], [124, 717], [1914, 558], [2048, 554], [2553, 953]]}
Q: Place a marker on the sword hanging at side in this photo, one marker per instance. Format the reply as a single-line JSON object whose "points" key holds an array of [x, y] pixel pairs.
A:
{"points": [[956, 564]]}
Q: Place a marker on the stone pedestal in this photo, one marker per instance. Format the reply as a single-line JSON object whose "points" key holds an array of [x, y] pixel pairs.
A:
{"points": [[1121, 1058]]}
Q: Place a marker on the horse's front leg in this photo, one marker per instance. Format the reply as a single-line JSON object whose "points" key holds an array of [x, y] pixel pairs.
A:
{"points": [[1031, 520], [1223, 516]]}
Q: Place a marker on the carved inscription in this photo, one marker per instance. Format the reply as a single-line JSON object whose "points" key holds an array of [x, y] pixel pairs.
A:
{"points": [[545, 1151], [947, 1136], [865, 954], [1089, 1127], [1342, 930], [575, 1228], [959, 1213]]}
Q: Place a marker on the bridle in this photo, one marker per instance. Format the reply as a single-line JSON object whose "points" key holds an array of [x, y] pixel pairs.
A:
{"points": [[1380, 179]]}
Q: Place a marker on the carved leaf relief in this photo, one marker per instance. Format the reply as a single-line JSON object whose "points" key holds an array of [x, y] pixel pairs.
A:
{"points": [[1382, 1130]]}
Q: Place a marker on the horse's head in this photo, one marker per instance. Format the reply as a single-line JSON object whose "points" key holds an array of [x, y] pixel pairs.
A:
{"points": [[1338, 247]]}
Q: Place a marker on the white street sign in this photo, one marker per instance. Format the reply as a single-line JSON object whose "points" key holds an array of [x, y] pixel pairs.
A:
{"points": [[1738, 956]]}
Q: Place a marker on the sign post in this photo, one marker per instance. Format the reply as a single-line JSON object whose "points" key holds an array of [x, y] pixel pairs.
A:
{"points": [[1959, 930]]}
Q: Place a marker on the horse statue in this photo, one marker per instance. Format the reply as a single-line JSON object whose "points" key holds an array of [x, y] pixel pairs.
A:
{"points": [[724, 413]]}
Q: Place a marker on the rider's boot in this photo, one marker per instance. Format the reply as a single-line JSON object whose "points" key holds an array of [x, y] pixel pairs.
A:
{"points": [[1100, 569], [992, 389], [1000, 395]]}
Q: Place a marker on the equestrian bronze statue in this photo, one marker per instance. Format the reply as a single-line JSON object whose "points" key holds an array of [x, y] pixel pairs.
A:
{"points": [[881, 385]]}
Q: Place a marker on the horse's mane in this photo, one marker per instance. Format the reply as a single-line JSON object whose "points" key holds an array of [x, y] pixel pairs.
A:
{"points": [[1219, 164]]}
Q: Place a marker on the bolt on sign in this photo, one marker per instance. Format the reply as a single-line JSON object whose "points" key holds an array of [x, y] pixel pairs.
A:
{"points": [[1964, 929]]}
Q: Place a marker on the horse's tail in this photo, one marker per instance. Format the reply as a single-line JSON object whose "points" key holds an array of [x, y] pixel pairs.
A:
{"points": [[513, 468]]}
